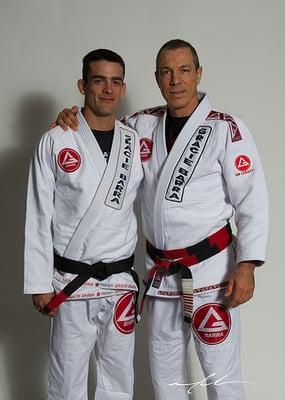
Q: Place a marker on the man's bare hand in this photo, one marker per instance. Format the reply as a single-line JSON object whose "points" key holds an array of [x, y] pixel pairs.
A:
{"points": [[41, 300], [241, 284], [67, 119]]}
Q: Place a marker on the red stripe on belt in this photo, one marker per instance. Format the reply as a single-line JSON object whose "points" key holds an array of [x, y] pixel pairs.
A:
{"points": [[172, 261]]}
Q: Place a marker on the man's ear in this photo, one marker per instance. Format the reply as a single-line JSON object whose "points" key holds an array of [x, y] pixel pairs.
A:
{"points": [[81, 86], [156, 76], [124, 91], [199, 74]]}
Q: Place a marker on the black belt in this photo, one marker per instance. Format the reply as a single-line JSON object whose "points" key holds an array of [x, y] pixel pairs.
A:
{"points": [[84, 272]]}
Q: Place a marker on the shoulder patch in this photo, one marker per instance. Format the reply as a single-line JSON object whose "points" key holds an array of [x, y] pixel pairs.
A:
{"points": [[156, 111], [235, 132]]}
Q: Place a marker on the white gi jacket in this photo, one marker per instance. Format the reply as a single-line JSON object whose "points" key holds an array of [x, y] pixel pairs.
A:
{"points": [[212, 170], [81, 207]]}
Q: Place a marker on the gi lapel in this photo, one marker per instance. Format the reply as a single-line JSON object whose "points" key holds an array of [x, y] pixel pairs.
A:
{"points": [[180, 164], [121, 156], [113, 185]]}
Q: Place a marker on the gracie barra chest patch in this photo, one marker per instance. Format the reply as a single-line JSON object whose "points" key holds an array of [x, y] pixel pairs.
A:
{"points": [[187, 164], [124, 316], [118, 188], [212, 323], [68, 160], [145, 149]]}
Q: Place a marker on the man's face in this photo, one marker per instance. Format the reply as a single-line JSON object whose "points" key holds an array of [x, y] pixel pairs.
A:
{"points": [[178, 79], [104, 89]]}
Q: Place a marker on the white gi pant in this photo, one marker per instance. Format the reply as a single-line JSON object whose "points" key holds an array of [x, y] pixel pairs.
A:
{"points": [[168, 339], [78, 327]]}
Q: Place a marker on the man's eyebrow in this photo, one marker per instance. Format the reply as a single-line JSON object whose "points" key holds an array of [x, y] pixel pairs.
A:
{"points": [[106, 77], [180, 66]]}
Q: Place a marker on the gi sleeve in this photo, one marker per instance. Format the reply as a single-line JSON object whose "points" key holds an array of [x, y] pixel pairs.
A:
{"points": [[38, 251], [244, 178]]}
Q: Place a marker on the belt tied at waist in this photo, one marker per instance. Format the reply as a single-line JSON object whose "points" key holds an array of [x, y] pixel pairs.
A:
{"points": [[169, 262], [99, 270]]}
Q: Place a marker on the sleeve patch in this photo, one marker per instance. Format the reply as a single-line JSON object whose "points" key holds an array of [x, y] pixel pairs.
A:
{"points": [[243, 165]]}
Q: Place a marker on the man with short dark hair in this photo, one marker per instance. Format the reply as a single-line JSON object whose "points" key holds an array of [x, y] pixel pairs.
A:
{"points": [[80, 238], [200, 167]]}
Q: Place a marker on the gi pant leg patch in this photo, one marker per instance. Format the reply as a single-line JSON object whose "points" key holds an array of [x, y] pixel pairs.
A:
{"points": [[212, 323], [124, 315]]}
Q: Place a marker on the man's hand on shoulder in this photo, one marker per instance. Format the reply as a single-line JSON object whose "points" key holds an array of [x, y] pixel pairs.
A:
{"points": [[67, 119], [241, 283], [41, 300]]}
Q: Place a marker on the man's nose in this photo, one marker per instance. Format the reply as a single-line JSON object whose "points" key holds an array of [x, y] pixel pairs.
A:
{"points": [[175, 78], [108, 87]]}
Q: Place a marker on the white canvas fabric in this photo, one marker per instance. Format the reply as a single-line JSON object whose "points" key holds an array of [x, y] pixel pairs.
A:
{"points": [[80, 327], [212, 171], [81, 207]]}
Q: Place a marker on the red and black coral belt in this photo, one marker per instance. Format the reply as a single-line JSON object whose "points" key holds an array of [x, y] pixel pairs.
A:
{"points": [[169, 262]]}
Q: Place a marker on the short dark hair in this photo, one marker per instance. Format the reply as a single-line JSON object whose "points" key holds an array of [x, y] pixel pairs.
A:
{"points": [[99, 55], [178, 44]]}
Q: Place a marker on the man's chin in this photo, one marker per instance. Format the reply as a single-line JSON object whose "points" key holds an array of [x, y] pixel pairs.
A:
{"points": [[105, 113], [175, 104]]}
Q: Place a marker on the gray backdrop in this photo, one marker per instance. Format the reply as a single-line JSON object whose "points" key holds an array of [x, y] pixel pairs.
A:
{"points": [[42, 43]]}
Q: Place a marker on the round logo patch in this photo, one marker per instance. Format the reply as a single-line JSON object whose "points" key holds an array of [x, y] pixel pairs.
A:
{"points": [[146, 149], [212, 323], [243, 163], [69, 160], [124, 317]]}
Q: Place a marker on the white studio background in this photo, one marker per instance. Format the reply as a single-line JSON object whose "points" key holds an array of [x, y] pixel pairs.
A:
{"points": [[241, 47]]}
